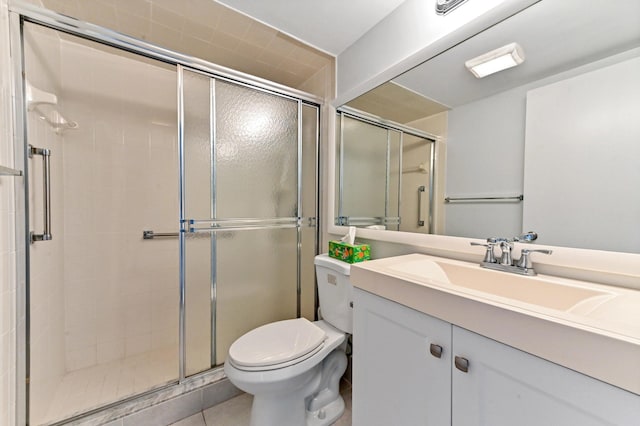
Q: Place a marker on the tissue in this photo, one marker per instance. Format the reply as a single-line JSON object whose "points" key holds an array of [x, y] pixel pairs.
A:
{"points": [[350, 237], [347, 250]]}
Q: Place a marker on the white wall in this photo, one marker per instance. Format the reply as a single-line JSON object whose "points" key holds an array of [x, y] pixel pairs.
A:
{"points": [[486, 157], [485, 151], [589, 125], [410, 35]]}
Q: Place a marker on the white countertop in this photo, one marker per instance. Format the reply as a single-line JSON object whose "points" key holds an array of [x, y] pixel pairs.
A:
{"points": [[599, 336]]}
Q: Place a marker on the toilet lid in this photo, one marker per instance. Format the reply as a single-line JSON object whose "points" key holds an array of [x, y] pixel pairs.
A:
{"points": [[276, 343]]}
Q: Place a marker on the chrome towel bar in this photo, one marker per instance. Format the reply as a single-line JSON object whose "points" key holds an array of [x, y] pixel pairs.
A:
{"points": [[150, 235], [8, 171], [516, 198]]}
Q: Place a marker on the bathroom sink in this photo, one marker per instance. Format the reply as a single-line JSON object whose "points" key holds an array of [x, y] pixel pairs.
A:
{"points": [[546, 292]]}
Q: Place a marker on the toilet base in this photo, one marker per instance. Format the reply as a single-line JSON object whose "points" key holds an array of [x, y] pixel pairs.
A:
{"points": [[327, 414], [306, 393]]}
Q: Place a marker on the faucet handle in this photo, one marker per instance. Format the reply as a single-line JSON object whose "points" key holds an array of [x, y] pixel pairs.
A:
{"points": [[527, 237], [489, 256], [525, 259]]}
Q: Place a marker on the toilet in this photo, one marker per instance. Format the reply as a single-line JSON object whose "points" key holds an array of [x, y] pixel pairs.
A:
{"points": [[293, 367]]}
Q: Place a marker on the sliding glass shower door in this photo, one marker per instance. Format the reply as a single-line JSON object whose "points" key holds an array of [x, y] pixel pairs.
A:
{"points": [[103, 301], [243, 211], [164, 223]]}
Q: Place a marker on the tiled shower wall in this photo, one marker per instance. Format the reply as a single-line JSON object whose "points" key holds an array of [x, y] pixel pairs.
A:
{"points": [[8, 249], [47, 297], [99, 292], [120, 178]]}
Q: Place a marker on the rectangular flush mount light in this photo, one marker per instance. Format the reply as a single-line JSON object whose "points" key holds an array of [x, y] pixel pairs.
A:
{"points": [[497, 60]]}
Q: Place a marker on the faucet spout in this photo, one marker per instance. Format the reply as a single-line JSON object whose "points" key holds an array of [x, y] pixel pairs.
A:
{"points": [[506, 257]]}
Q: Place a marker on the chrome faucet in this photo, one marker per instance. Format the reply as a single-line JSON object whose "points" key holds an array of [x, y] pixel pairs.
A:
{"points": [[522, 266]]}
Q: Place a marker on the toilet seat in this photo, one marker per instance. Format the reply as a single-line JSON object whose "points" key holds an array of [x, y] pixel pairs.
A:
{"points": [[277, 345]]}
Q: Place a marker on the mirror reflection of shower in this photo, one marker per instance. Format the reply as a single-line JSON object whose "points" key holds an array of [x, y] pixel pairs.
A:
{"points": [[385, 174]]}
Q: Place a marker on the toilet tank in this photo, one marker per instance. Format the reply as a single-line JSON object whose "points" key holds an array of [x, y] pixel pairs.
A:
{"points": [[335, 292]]}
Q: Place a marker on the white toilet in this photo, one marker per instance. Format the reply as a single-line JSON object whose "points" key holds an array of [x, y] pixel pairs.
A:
{"points": [[293, 367]]}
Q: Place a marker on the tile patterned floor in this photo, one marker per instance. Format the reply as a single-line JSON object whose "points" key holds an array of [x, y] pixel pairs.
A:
{"points": [[236, 411], [88, 388]]}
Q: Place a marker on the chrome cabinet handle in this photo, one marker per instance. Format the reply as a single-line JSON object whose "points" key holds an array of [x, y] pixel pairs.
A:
{"points": [[462, 364], [436, 350], [421, 190], [46, 179]]}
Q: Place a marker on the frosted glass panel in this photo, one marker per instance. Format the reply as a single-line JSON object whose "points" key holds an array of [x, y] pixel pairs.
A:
{"points": [[197, 145], [395, 164], [257, 154], [241, 161], [257, 282], [198, 204], [309, 159], [198, 255], [309, 204]]}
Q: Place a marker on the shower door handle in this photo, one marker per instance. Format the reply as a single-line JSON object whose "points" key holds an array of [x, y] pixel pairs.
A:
{"points": [[46, 179], [421, 190]]}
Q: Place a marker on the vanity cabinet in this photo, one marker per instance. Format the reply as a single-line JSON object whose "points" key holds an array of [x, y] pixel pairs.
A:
{"points": [[396, 378], [398, 381]]}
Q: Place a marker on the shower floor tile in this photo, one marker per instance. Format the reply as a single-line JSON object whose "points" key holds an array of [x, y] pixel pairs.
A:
{"points": [[92, 387]]}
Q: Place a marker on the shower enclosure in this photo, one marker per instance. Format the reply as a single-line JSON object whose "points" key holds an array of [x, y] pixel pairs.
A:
{"points": [[385, 174], [171, 207]]}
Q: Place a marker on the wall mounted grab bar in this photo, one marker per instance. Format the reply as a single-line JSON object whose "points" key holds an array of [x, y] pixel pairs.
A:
{"points": [[150, 235], [46, 178], [421, 190], [516, 198]]}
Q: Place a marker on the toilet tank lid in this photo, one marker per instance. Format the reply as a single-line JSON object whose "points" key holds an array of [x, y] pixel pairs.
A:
{"points": [[339, 266]]}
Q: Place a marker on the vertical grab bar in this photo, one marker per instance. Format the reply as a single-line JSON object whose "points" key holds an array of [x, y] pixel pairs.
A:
{"points": [[46, 172], [421, 190]]}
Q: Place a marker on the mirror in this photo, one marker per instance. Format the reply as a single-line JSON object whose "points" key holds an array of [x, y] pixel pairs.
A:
{"points": [[549, 145]]}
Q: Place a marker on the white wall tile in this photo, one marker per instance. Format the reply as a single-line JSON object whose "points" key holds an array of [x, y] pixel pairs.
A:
{"points": [[110, 350], [81, 358]]}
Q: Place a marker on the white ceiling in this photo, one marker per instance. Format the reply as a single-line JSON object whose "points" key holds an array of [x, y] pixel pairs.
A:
{"points": [[329, 25]]}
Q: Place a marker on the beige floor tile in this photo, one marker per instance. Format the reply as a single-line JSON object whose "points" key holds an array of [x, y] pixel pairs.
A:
{"points": [[195, 420], [234, 412]]}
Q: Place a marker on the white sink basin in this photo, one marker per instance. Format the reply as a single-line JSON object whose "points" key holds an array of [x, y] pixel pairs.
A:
{"points": [[541, 291]]}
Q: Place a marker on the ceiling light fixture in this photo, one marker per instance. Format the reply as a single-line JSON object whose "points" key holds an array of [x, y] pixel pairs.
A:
{"points": [[499, 59]]}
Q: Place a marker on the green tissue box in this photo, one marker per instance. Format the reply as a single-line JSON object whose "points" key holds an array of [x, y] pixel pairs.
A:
{"points": [[350, 253]]}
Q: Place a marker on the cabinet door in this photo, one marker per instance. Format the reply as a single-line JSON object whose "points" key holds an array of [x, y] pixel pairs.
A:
{"points": [[396, 379], [505, 386]]}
